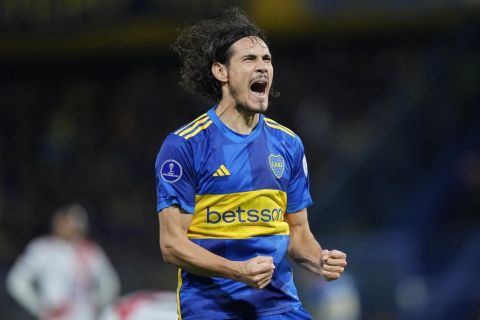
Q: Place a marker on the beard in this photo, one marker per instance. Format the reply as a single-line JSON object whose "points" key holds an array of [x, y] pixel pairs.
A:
{"points": [[247, 107]]}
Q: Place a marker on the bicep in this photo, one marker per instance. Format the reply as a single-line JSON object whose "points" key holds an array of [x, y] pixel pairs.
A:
{"points": [[174, 222], [300, 232], [297, 221]]}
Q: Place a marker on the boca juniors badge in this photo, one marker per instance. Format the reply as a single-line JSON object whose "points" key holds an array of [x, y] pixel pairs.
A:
{"points": [[277, 164], [171, 171]]}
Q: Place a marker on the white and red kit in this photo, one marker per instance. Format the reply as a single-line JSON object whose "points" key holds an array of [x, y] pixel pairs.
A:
{"points": [[56, 279]]}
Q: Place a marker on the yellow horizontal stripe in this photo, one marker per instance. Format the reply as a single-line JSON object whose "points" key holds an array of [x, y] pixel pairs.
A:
{"points": [[215, 174], [192, 127], [277, 125], [182, 128], [224, 169], [205, 126], [239, 215]]}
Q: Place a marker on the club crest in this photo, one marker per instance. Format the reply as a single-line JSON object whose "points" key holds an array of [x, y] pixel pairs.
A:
{"points": [[277, 164]]}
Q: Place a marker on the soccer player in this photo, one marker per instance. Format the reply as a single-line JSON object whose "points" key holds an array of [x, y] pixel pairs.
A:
{"points": [[64, 276], [232, 185]]}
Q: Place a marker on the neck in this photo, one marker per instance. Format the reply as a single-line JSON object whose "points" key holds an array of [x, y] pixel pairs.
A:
{"points": [[236, 118], [68, 236]]}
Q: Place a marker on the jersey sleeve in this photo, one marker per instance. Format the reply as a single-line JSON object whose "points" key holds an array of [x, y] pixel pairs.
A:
{"points": [[175, 176], [298, 193], [23, 274]]}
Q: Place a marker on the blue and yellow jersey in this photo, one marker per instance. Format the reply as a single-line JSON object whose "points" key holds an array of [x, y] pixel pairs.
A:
{"points": [[238, 188]]}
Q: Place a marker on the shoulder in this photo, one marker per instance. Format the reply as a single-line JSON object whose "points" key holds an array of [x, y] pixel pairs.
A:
{"points": [[42, 242], [278, 129], [194, 129], [282, 133], [189, 134], [179, 147], [40, 248]]}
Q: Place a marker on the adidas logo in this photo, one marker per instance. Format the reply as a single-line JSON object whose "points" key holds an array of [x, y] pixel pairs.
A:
{"points": [[222, 171]]}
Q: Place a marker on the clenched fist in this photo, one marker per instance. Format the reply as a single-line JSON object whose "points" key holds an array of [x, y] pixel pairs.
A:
{"points": [[333, 264], [257, 272]]}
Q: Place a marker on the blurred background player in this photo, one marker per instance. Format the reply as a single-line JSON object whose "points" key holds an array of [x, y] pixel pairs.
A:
{"points": [[64, 275], [143, 305]]}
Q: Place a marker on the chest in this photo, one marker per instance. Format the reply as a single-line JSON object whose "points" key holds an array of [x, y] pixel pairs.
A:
{"points": [[62, 259], [226, 167]]}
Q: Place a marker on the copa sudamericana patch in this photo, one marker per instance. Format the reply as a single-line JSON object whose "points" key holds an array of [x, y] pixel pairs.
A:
{"points": [[171, 171]]}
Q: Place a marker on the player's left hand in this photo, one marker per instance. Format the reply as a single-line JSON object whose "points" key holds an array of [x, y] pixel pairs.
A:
{"points": [[333, 263]]}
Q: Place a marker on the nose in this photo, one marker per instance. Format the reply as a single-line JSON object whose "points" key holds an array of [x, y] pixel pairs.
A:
{"points": [[262, 66]]}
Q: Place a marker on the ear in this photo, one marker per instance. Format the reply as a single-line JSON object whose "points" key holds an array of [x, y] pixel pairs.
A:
{"points": [[219, 71]]}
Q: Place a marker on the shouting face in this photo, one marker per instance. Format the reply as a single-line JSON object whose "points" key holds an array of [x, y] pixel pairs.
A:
{"points": [[248, 75]]}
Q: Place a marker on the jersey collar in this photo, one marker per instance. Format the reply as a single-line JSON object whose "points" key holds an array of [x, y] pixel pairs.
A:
{"points": [[232, 135]]}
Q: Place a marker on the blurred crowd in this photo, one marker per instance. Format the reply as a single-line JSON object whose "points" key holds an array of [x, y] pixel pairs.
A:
{"points": [[391, 127]]}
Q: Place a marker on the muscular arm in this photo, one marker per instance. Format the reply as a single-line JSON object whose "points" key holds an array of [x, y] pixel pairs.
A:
{"points": [[179, 250], [303, 247], [308, 253]]}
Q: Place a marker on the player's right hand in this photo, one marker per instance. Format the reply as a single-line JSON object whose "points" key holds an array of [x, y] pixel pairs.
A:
{"points": [[257, 272]]}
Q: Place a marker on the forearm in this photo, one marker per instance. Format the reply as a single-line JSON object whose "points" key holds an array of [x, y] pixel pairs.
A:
{"points": [[178, 249], [305, 251], [191, 257]]}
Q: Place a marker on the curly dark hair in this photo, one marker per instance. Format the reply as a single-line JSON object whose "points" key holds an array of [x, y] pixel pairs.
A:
{"points": [[200, 45]]}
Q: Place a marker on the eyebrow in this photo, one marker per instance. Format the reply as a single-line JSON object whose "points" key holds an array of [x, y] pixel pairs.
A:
{"points": [[251, 55]]}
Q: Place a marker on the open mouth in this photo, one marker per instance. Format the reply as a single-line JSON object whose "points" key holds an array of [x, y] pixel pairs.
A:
{"points": [[259, 88]]}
